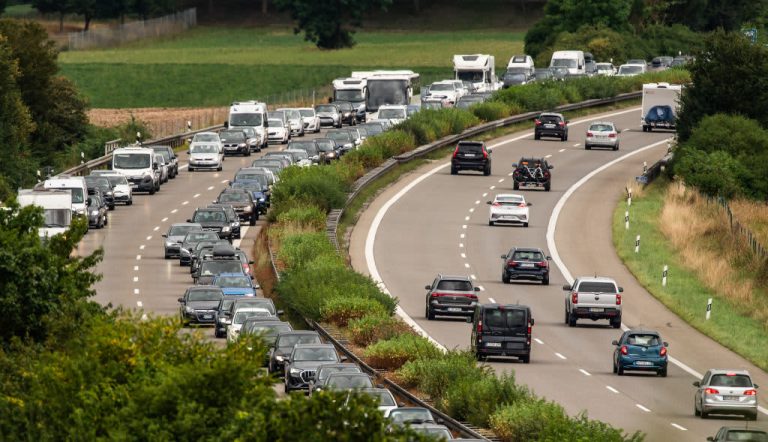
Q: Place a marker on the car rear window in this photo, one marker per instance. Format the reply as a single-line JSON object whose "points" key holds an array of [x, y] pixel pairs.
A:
{"points": [[644, 340], [447, 284], [528, 256], [550, 119], [747, 435], [471, 148], [601, 127], [210, 268], [498, 318], [597, 287], [291, 340], [726, 380]]}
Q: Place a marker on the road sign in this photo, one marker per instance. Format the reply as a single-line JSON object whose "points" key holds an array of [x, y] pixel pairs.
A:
{"points": [[751, 34], [642, 179]]}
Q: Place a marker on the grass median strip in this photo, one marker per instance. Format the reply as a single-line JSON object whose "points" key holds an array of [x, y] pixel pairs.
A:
{"points": [[699, 269]]}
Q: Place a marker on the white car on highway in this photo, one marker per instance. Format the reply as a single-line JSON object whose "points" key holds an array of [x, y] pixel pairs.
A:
{"points": [[509, 208], [277, 131], [393, 113], [205, 155], [446, 90], [239, 316], [311, 120]]}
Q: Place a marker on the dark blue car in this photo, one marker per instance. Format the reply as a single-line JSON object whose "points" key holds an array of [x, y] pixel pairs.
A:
{"points": [[235, 284], [640, 350]]}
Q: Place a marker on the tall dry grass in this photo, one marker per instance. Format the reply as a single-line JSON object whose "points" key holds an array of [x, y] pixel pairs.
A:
{"points": [[753, 215], [701, 233]]}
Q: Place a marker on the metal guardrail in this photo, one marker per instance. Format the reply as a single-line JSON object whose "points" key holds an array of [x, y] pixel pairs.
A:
{"points": [[174, 141], [332, 222]]}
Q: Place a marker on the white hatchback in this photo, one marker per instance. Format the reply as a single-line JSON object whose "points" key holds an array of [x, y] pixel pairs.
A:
{"points": [[509, 208], [602, 134], [239, 317]]}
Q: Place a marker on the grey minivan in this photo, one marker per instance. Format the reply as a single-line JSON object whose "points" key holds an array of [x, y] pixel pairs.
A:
{"points": [[501, 331]]}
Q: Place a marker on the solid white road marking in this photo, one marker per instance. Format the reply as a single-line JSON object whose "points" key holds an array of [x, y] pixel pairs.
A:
{"points": [[183, 166], [538, 341], [679, 427], [612, 389], [492, 301], [561, 150], [585, 372], [625, 130], [647, 410], [164, 219], [560, 356]]}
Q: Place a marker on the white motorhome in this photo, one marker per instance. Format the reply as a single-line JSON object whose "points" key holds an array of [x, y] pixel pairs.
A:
{"points": [[57, 208], [661, 102], [77, 188], [572, 60], [250, 114], [352, 90], [521, 64], [478, 69], [139, 166], [389, 87]]}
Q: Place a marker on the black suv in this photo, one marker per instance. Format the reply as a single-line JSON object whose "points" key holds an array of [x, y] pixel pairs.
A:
{"points": [[532, 172], [234, 141], [551, 125], [450, 296], [471, 155], [213, 220], [284, 344], [502, 330], [525, 263], [301, 365], [232, 217], [199, 304]]}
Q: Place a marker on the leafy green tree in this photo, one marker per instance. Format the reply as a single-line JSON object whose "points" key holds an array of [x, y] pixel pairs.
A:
{"points": [[714, 173], [727, 77], [16, 123], [329, 25], [3, 3], [59, 7]]}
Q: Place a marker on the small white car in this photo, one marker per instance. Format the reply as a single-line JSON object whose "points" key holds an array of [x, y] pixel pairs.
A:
{"points": [[295, 120], [602, 134], [395, 114], [163, 167], [311, 120], [630, 70], [448, 91], [239, 316], [205, 155], [276, 132], [121, 188], [509, 208], [607, 69]]}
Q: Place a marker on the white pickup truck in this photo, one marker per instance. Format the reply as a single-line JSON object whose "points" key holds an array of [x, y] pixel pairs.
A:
{"points": [[593, 298]]}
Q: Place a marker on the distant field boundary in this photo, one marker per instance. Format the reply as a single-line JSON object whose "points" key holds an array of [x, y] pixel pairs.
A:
{"points": [[156, 27]]}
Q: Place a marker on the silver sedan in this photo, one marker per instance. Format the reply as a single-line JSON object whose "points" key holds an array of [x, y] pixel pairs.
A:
{"points": [[602, 134]]}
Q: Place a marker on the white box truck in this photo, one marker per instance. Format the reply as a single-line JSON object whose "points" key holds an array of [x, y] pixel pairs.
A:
{"points": [[571, 60], [250, 114], [57, 208], [661, 102]]}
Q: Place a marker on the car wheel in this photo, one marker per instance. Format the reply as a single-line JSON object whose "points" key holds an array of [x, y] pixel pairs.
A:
{"points": [[454, 171], [525, 224], [129, 202], [614, 367], [516, 185], [616, 323], [219, 168], [548, 186], [480, 357], [152, 190], [587, 147], [751, 417], [620, 370], [106, 219], [704, 414], [490, 223], [254, 217], [696, 411], [504, 278], [616, 147], [567, 317], [430, 314], [663, 372], [247, 154], [112, 207], [650, 129], [536, 136], [526, 359], [190, 168], [571, 320], [487, 171], [545, 281]]}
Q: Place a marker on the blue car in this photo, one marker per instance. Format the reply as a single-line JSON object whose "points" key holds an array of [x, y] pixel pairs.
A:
{"points": [[235, 284], [640, 350]]}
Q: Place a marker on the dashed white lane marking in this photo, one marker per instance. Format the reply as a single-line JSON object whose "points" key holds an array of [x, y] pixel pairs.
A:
{"points": [[139, 304], [478, 201], [548, 156], [510, 173], [492, 187], [538, 341], [174, 210], [501, 180], [482, 289], [156, 228], [185, 203], [149, 238], [138, 257], [195, 195], [560, 356], [473, 276], [461, 245], [466, 264], [464, 226], [561, 150], [611, 389], [141, 247], [585, 372], [679, 427], [464, 255], [135, 268], [577, 145], [135, 279], [135, 291], [485, 194], [462, 236], [646, 409], [210, 187], [625, 130], [471, 210], [492, 301], [224, 181], [466, 218], [164, 219]]}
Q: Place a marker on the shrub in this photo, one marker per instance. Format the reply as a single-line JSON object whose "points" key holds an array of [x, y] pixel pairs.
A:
{"points": [[393, 353], [475, 399], [374, 327], [342, 309], [524, 421], [716, 173], [491, 110], [310, 217], [298, 249], [317, 186], [432, 376], [536, 96]]}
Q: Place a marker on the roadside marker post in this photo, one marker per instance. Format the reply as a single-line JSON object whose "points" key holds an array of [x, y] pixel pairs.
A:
{"points": [[664, 276], [629, 197], [637, 244], [626, 220], [709, 308]]}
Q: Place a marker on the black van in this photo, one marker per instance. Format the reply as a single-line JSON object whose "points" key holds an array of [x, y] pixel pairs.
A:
{"points": [[502, 330]]}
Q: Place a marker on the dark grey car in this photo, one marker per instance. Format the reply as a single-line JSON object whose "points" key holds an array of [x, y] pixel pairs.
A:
{"points": [[175, 235], [198, 305], [525, 263], [451, 296], [284, 346], [301, 365]]}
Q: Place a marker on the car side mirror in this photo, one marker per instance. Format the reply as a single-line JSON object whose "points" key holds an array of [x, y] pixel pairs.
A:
{"points": [[503, 256], [181, 300], [401, 404], [514, 165], [621, 289], [566, 287], [189, 152], [250, 262], [666, 344], [532, 322], [551, 166], [287, 359], [755, 385], [549, 258], [280, 312], [252, 277], [427, 287], [710, 438], [614, 342], [489, 202], [164, 235], [189, 220], [697, 384], [155, 166], [477, 289], [226, 124]]}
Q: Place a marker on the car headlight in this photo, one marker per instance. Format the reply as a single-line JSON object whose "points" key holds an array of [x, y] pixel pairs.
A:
{"points": [[331, 154], [223, 320], [247, 209], [80, 211], [109, 193], [183, 251], [236, 224], [279, 358], [225, 229], [189, 309], [296, 371], [169, 243], [261, 200]]}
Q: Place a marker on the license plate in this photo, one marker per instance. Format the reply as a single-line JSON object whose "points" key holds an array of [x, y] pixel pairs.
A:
{"points": [[493, 344], [134, 186], [730, 398], [454, 309], [596, 310], [601, 137], [207, 316], [469, 155], [527, 265], [549, 126], [644, 363]]}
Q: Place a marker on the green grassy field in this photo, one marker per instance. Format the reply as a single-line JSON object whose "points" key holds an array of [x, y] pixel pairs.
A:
{"points": [[210, 66], [19, 11], [684, 294]]}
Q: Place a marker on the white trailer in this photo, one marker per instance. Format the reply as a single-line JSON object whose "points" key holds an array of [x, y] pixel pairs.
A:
{"points": [[57, 208], [479, 69], [661, 102]]}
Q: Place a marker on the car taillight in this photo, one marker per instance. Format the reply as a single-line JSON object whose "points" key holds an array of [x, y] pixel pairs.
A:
{"points": [[542, 264], [437, 294], [546, 174], [750, 392], [495, 204], [590, 134], [618, 299], [455, 152], [529, 329], [575, 298], [538, 122], [479, 327], [711, 391], [561, 123], [485, 153], [521, 205], [611, 135], [663, 351], [511, 263], [624, 350], [473, 297]]}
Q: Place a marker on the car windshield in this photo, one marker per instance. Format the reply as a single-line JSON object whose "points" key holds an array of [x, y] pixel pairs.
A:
{"points": [[182, 230], [436, 432], [131, 161], [325, 145], [643, 340], [473, 76], [291, 340], [205, 138], [252, 177], [204, 295], [95, 181], [471, 148], [349, 95], [315, 354], [406, 415], [164, 152], [274, 122], [340, 136], [241, 316], [507, 318], [299, 155], [509, 201], [528, 256], [200, 236], [601, 128], [267, 330], [209, 216], [233, 197], [204, 148], [392, 113], [730, 380], [245, 119], [210, 268], [324, 372], [233, 136], [517, 70], [447, 284], [233, 281], [597, 287], [441, 87], [116, 180], [604, 67], [344, 106], [350, 381], [747, 435], [384, 397], [564, 63], [631, 70], [307, 112], [326, 108], [262, 303]]}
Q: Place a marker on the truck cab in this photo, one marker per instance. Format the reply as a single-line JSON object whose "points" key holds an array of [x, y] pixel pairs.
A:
{"points": [[571, 60], [139, 166], [352, 90], [593, 298]]}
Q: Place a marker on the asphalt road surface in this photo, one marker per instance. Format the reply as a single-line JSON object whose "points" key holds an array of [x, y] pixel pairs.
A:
{"points": [[431, 222]]}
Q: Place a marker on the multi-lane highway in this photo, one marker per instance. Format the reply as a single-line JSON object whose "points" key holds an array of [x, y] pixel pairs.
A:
{"points": [[433, 222]]}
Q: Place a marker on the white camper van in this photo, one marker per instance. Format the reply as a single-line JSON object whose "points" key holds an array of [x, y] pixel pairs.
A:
{"points": [[352, 90], [249, 114], [57, 208], [661, 103], [139, 166], [572, 60], [78, 191], [479, 69], [521, 64]]}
